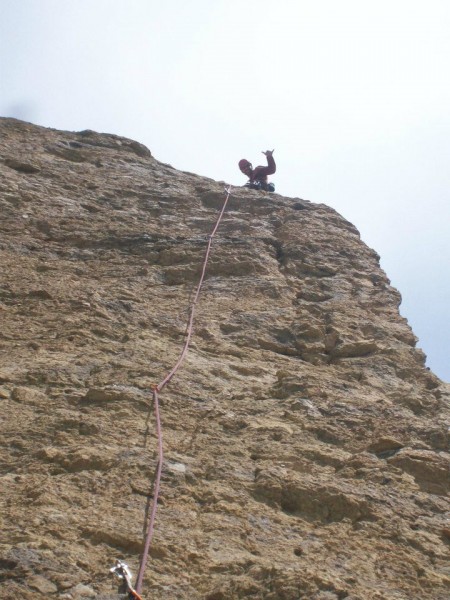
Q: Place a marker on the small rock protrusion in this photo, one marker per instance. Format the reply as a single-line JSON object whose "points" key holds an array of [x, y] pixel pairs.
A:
{"points": [[42, 585], [21, 166]]}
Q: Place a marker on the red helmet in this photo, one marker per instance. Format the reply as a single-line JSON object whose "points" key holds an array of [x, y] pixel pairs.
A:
{"points": [[244, 164]]}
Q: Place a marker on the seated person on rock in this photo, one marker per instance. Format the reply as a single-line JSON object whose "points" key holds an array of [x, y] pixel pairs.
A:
{"points": [[258, 176]]}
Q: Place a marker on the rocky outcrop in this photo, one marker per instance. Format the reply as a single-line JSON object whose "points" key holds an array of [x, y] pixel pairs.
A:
{"points": [[306, 444]]}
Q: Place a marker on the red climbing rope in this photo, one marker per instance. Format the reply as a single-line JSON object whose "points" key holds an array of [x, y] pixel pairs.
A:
{"points": [[151, 522], [158, 388]]}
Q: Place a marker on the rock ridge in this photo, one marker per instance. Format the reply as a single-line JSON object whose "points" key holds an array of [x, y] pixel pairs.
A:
{"points": [[306, 443]]}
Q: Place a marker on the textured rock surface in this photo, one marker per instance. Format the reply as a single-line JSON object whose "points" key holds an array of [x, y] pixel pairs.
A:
{"points": [[306, 443]]}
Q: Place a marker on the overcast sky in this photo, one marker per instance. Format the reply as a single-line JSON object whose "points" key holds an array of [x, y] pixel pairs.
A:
{"points": [[354, 95]]}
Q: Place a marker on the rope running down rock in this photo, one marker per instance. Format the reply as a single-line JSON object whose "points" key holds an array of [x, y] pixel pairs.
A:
{"points": [[158, 388]]}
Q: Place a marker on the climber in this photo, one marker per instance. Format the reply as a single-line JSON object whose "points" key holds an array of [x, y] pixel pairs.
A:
{"points": [[258, 177]]}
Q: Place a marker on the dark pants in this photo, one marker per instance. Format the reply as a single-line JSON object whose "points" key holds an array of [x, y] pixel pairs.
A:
{"points": [[260, 185]]}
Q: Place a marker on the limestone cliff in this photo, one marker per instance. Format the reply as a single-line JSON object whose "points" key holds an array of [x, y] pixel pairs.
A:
{"points": [[306, 444]]}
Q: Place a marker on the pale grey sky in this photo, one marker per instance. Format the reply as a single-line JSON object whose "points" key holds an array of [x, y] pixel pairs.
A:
{"points": [[354, 96]]}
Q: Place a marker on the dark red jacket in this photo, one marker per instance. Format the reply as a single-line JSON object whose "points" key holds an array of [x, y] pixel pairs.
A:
{"points": [[261, 173]]}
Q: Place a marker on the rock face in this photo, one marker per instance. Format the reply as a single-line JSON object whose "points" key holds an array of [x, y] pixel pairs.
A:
{"points": [[306, 444]]}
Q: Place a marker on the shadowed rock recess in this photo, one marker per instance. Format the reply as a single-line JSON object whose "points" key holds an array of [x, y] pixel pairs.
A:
{"points": [[306, 444]]}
